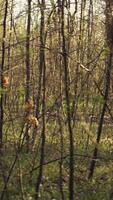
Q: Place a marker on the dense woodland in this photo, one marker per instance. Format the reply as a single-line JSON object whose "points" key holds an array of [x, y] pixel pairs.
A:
{"points": [[56, 100]]}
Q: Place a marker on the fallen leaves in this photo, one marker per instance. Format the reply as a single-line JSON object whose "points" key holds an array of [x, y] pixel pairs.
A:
{"points": [[31, 120], [29, 105], [6, 81]]}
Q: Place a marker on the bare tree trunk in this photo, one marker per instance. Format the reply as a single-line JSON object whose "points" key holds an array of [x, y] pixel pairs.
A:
{"points": [[28, 51], [66, 81], [109, 43], [89, 45], [1, 71], [43, 66], [62, 154], [28, 66], [41, 55]]}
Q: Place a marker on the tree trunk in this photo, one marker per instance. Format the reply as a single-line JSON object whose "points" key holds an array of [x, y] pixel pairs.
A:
{"points": [[108, 64], [43, 66], [66, 82], [1, 71]]}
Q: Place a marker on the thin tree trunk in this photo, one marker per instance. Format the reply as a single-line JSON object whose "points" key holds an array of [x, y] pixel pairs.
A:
{"points": [[28, 52], [1, 71], [109, 42], [66, 80], [28, 66], [42, 65], [62, 154]]}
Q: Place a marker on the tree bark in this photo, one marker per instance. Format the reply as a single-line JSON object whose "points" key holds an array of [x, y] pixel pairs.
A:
{"points": [[1, 71], [66, 82], [43, 66], [108, 64]]}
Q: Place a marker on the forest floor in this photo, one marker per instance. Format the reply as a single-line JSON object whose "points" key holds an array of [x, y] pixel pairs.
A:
{"points": [[23, 172]]}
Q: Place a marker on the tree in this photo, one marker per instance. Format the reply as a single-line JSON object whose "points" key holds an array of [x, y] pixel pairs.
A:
{"points": [[2, 70], [108, 65]]}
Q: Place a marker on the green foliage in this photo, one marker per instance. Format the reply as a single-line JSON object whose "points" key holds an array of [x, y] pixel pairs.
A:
{"points": [[98, 99], [2, 91], [52, 3], [106, 51]]}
